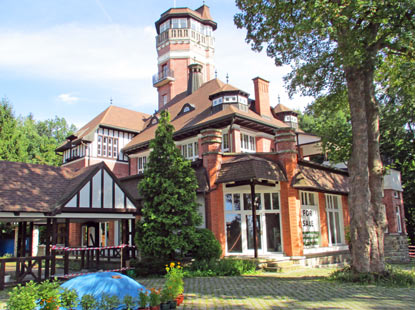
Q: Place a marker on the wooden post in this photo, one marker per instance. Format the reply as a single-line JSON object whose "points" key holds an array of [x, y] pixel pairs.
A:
{"points": [[66, 253], [54, 242], [2, 274], [82, 260], [133, 236], [19, 240], [31, 239], [254, 219], [24, 226], [124, 250], [47, 247]]}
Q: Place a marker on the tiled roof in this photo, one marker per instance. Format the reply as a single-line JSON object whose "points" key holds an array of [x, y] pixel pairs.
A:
{"points": [[321, 178], [248, 167], [113, 117], [38, 188], [201, 115], [281, 108]]}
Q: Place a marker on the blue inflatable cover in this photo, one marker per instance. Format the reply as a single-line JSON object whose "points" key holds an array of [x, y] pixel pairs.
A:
{"points": [[111, 283]]}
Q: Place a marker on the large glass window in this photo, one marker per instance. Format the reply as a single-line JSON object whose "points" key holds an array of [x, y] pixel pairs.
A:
{"points": [[179, 23], [107, 147], [141, 164], [239, 224], [334, 219]]}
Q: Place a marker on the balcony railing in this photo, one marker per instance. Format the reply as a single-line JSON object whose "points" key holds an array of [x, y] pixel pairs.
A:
{"points": [[163, 77], [186, 33]]}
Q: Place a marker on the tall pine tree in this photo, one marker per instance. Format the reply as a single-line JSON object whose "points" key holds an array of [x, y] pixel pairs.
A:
{"points": [[169, 211]]}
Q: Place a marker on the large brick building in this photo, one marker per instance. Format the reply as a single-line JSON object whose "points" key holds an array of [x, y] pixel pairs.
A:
{"points": [[241, 147]]}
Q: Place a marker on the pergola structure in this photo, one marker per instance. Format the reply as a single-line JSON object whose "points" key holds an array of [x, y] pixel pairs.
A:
{"points": [[40, 195]]}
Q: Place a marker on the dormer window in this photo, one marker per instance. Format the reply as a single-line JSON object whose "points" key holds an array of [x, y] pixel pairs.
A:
{"points": [[187, 107], [230, 99], [290, 119], [217, 101]]}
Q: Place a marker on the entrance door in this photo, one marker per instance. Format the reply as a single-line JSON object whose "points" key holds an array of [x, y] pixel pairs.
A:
{"points": [[273, 232]]}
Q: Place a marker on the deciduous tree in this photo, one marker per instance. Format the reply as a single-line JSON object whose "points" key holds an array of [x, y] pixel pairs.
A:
{"points": [[335, 45]]}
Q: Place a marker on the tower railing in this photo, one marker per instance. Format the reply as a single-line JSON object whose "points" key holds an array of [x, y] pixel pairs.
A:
{"points": [[185, 33], [163, 75]]}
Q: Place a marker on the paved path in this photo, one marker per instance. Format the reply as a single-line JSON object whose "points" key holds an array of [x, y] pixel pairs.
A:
{"points": [[272, 292]]}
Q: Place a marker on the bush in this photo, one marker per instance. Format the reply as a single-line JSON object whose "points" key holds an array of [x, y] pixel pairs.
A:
{"points": [[392, 277], [222, 267], [149, 266], [46, 295], [206, 246]]}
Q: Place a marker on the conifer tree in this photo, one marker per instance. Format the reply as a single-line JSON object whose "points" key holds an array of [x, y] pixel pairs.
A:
{"points": [[169, 210]]}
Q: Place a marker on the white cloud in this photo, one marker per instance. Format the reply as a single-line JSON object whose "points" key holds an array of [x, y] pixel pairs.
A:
{"points": [[68, 98], [70, 51]]}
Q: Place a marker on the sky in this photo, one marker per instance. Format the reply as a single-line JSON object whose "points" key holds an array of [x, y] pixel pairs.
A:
{"points": [[68, 58]]}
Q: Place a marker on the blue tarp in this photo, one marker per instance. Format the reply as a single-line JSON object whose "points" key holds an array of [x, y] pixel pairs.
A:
{"points": [[111, 283]]}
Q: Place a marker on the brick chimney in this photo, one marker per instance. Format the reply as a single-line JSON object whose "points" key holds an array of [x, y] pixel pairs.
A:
{"points": [[195, 78], [262, 106]]}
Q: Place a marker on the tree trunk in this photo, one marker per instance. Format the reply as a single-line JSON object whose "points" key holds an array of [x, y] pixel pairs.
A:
{"points": [[365, 168], [377, 264]]}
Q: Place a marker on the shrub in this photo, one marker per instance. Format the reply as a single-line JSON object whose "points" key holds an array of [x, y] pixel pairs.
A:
{"points": [[129, 302], [222, 267], [206, 246], [149, 266], [88, 302], [47, 295], [392, 277], [108, 302]]}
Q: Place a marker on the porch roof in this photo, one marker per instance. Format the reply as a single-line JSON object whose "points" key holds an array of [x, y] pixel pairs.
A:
{"points": [[312, 176], [42, 189], [248, 167]]}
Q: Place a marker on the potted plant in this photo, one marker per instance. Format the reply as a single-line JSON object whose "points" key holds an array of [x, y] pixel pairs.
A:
{"points": [[165, 298], [174, 281], [144, 299], [129, 302], [154, 299]]}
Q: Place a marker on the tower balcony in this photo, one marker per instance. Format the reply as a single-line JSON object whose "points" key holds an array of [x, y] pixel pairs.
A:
{"points": [[185, 34], [162, 78]]}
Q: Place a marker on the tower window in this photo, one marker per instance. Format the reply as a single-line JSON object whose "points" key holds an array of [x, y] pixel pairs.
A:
{"points": [[179, 23], [164, 26]]}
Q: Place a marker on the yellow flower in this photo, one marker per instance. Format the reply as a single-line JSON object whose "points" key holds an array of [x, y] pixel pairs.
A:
{"points": [[172, 265]]}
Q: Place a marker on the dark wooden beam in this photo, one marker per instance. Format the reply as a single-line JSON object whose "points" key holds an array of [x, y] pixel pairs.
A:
{"points": [[31, 239], [249, 182], [254, 219], [47, 247]]}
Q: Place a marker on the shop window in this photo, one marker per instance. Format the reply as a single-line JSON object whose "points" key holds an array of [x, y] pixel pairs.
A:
{"points": [[334, 219]]}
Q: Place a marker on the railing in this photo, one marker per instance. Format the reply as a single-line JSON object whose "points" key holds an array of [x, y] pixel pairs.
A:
{"points": [[166, 73], [26, 269], [185, 33], [411, 249], [92, 256]]}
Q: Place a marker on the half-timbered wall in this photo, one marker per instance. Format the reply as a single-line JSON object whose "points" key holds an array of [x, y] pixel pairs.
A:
{"points": [[98, 146], [101, 192]]}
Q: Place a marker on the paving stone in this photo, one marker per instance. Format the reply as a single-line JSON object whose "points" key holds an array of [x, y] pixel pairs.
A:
{"points": [[271, 292]]}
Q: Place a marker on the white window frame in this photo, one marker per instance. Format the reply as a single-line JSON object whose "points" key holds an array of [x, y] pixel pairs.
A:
{"points": [[309, 201], [225, 141], [248, 145], [331, 209], [398, 219], [141, 164], [261, 190], [187, 146]]}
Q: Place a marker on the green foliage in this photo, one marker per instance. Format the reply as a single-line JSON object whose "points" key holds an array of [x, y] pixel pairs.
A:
{"points": [[108, 302], [149, 266], [206, 245], [155, 297], [6, 230], [47, 295], [144, 298], [222, 267], [129, 302], [169, 212], [174, 280], [26, 140], [88, 302], [391, 277], [69, 299], [23, 297]]}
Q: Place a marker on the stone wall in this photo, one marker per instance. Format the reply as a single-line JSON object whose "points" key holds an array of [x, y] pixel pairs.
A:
{"points": [[396, 248]]}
